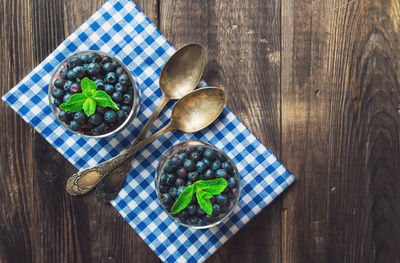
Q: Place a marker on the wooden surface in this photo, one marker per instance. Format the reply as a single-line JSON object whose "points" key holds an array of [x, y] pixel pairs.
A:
{"points": [[318, 82]]}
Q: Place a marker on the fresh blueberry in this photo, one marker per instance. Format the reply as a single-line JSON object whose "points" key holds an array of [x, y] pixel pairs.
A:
{"points": [[78, 80], [93, 69], [195, 156], [182, 173], [179, 182], [117, 96], [194, 220], [124, 80], [106, 59], [182, 156], [59, 83], [166, 199], [127, 99], [180, 189], [102, 128], [121, 115], [216, 209], [75, 88], [176, 162], [206, 162], [216, 165], [232, 182], [107, 67], [189, 165], [63, 73], [173, 192], [208, 175], [119, 70], [189, 150], [182, 215], [95, 119], [79, 72], [163, 178], [209, 218], [191, 209], [200, 211], [58, 93], [188, 183], [171, 179], [201, 166], [164, 189], [109, 89], [66, 97], [210, 154], [220, 157], [227, 167], [168, 167], [99, 84], [221, 200], [201, 149], [65, 116], [193, 176], [118, 87], [111, 78], [74, 126], [71, 75], [85, 58], [101, 109], [110, 116], [126, 108], [95, 58], [80, 117], [73, 62], [221, 173]]}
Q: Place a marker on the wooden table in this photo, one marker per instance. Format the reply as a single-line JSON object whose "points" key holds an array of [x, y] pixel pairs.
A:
{"points": [[318, 82]]}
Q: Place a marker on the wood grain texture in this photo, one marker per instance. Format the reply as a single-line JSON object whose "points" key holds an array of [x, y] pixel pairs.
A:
{"points": [[341, 125]]}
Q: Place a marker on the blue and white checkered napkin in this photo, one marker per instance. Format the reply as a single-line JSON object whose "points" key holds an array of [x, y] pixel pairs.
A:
{"points": [[121, 29]]}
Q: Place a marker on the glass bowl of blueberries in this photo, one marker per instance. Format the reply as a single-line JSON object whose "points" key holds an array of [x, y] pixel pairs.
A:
{"points": [[93, 94], [197, 185]]}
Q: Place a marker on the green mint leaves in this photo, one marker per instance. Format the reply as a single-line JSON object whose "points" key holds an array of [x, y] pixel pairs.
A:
{"points": [[88, 99], [204, 190]]}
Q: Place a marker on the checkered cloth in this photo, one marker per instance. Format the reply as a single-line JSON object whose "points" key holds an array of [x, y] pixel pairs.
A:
{"points": [[121, 29]]}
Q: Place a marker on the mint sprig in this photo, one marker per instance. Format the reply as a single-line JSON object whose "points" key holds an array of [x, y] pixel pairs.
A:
{"points": [[88, 99], [204, 191]]}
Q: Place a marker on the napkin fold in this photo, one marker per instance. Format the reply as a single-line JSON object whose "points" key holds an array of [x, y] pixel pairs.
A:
{"points": [[121, 29]]}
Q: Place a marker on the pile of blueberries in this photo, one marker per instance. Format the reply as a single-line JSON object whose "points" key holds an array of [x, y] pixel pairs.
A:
{"points": [[109, 76], [189, 165]]}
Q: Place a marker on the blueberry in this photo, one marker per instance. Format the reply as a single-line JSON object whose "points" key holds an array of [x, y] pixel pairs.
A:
{"points": [[195, 156], [95, 119], [216, 209], [75, 88], [107, 67], [106, 59], [115, 64], [120, 71], [67, 86], [182, 215], [170, 179], [79, 72], [188, 183], [110, 116], [78, 80], [59, 83], [212, 200], [201, 166], [127, 99], [80, 117], [126, 108], [232, 182], [191, 209], [63, 73], [111, 78], [101, 109], [74, 126], [109, 89], [168, 167], [175, 163], [58, 93], [194, 220], [117, 96], [208, 175], [164, 189], [209, 218], [221, 173], [163, 178], [173, 192], [95, 58], [189, 165], [193, 176], [180, 189], [182, 156], [210, 154], [189, 150], [201, 149], [85, 58], [166, 199], [121, 115], [65, 116], [71, 75], [73, 62], [118, 87], [216, 165], [99, 84], [66, 97], [124, 80], [221, 200], [93, 69], [102, 128], [182, 173], [220, 156], [227, 167], [179, 182], [200, 211], [206, 162]]}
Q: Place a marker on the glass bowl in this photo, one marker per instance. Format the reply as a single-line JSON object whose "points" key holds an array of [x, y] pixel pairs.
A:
{"points": [[86, 130], [232, 193]]}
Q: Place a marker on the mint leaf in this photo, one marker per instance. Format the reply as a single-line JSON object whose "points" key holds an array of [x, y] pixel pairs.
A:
{"points": [[89, 107], [183, 200], [75, 103], [214, 187], [104, 100], [88, 87], [203, 198]]}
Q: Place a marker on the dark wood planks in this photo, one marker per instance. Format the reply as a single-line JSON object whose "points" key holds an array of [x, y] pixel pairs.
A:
{"points": [[243, 48], [341, 125]]}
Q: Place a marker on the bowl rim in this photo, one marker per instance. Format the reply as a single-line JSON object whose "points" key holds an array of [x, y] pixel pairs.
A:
{"points": [[136, 99], [210, 146]]}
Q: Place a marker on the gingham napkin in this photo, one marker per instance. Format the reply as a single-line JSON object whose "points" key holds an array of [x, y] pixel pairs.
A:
{"points": [[121, 29]]}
